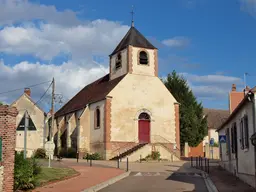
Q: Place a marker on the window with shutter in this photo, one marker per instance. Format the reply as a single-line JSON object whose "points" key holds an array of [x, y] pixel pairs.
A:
{"points": [[233, 138], [242, 133], [246, 132]]}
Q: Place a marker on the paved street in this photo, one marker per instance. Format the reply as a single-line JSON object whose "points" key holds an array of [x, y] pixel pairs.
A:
{"points": [[159, 181]]}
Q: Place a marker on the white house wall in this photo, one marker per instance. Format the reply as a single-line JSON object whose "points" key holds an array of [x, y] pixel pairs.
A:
{"points": [[246, 162], [136, 94]]}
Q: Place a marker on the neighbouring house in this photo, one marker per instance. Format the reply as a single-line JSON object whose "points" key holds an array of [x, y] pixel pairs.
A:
{"points": [[37, 131], [128, 112], [237, 154], [215, 117]]}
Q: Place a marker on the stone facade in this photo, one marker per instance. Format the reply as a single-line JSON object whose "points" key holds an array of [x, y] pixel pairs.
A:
{"points": [[7, 133], [35, 138]]}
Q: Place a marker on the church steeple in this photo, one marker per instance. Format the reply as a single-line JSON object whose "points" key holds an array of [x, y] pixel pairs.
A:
{"points": [[134, 38], [134, 55]]}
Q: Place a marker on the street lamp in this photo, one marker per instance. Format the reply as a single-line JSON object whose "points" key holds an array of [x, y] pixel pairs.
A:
{"points": [[253, 139]]}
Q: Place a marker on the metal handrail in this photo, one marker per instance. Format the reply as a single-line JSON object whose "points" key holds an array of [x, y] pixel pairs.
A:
{"points": [[124, 147]]}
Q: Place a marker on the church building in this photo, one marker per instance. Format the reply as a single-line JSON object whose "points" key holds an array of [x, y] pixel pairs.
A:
{"points": [[128, 112]]}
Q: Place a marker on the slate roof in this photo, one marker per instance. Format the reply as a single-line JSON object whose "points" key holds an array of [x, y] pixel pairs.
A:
{"points": [[215, 117], [91, 93], [135, 38]]}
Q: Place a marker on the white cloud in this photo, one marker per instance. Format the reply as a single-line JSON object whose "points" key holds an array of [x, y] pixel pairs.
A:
{"points": [[12, 11], [249, 6], [212, 79], [96, 38], [177, 42], [211, 86], [69, 77]]}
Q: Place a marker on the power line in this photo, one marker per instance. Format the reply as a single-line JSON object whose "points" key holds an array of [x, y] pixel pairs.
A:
{"points": [[23, 87], [43, 94]]}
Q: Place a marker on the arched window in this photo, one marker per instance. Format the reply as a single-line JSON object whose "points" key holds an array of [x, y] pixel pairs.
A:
{"points": [[143, 58], [144, 116], [97, 118], [118, 61]]}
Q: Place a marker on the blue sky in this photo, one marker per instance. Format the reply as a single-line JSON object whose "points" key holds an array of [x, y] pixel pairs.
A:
{"points": [[212, 43]]}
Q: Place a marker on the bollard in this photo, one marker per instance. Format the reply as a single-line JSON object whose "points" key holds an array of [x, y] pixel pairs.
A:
{"points": [[127, 165], [202, 164], [191, 159], [77, 156], [90, 162], [196, 162], [140, 158], [208, 166], [118, 163], [205, 164], [199, 162], [87, 157]]}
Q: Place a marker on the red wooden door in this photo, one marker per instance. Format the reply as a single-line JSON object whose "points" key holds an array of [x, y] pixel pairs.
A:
{"points": [[144, 131]]}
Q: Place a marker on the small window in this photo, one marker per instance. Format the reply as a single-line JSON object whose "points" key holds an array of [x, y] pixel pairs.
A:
{"points": [[143, 58], [246, 132], [118, 61], [97, 118]]}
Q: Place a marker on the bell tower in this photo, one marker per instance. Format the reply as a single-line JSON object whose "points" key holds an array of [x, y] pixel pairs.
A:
{"points": [[134, 55]]}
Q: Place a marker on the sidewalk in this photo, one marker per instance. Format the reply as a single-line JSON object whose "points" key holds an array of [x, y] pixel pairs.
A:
{"points": [[226, 182], [89, 176]]}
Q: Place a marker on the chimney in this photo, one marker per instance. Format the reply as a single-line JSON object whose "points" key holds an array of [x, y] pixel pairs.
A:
{"points": [[235, 98], [234, 87], [27, 91], [246, 90]]}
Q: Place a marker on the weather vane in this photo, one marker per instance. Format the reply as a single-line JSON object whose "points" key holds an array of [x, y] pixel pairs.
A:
{"points": [[132, 12]]}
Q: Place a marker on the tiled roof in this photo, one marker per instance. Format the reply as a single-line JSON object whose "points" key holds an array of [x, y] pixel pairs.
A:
{"points": [[91, 93], [135, 38], [215, 117]]}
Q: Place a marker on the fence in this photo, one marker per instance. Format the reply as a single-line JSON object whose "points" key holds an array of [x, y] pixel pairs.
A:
{"points": [[200, 163]]}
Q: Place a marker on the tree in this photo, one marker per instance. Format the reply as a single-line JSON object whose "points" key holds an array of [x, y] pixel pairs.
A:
{"points": [[1, 103], [193, 123]]}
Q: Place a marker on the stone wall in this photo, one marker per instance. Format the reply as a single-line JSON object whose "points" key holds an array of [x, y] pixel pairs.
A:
{"points": [[8, 135]]}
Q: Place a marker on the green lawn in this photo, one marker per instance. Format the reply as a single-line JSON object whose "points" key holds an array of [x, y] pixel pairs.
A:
{"points": [[53, 174]]}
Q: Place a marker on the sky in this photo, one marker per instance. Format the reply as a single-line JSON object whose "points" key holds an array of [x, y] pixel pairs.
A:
{"points": [[211, 43]]}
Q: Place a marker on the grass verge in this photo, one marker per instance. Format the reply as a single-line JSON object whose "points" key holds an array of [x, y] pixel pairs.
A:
{"points": [[49, 175]]}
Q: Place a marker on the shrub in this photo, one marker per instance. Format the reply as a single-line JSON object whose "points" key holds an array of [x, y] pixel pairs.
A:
{"points": [[155, 155], [40, 153], [68, 153], [94, 156], [25, 171]]}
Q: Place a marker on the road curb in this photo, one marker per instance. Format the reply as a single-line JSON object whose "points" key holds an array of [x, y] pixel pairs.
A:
{"points": [[209, 184], [107, 183]]}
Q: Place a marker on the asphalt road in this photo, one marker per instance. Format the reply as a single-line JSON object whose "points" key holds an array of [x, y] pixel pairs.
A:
{"points": [[159, 181]]}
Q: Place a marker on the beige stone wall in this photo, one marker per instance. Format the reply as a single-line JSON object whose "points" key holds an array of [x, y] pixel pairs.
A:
{"points": [[143, 69], [124, 68], [85, 130], [1, 177], [34, 138], [136, 94], [147, 150], [97, 134]]}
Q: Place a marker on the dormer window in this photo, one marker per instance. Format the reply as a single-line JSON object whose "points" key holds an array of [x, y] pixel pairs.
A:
{"points": [[118, 61], [143, 58]]}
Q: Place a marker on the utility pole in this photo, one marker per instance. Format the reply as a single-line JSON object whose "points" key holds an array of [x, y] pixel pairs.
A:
{"points": [[25, 134], [53, 90]]}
